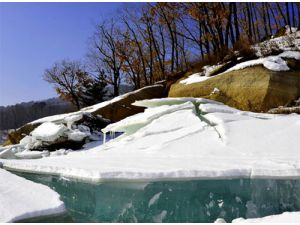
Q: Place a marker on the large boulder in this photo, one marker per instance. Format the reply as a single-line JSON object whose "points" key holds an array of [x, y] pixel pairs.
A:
{"points": [[121, 107], [253, 88]]}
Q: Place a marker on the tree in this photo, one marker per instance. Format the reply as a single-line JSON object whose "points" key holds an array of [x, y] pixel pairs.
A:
{"points": [[69, 80], [104, 54], [94, 91]]}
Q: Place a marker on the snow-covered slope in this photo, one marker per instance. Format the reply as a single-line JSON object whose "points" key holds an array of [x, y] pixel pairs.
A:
{"points": [[188, 139], [22, 199]]}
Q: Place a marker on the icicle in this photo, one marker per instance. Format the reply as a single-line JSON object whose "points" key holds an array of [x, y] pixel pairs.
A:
{"points": [[113, 134], [104, 138]]}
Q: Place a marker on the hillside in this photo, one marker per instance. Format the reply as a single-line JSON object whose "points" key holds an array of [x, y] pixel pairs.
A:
{"points": [[14, 116]]}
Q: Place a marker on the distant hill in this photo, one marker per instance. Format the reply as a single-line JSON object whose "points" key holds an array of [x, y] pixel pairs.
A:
{"points": [[14, 116]]}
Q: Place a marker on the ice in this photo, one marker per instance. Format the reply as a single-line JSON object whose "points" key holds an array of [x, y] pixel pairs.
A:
{"points": [[286, 217], [160, 217], [31, 154], [154, 199], [22, 199], [48, 131], [150, 103], [77, 135], [133, 123], [184, 140], [210, 108]]}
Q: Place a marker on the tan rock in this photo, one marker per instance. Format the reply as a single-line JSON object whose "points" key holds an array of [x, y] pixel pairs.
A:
{"points": [[252, 89]]}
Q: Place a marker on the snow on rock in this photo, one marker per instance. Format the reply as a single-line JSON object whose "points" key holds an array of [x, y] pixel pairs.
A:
{"points": [[22, 199], [194, 78], [274, 63], [286, 217], [202, 76], [184, 141], [48, 131], [288, 42]]}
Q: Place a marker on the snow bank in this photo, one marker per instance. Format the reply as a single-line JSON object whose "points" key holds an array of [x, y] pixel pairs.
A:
{"points": [[286, 217], [182, 142], [22, 199]]}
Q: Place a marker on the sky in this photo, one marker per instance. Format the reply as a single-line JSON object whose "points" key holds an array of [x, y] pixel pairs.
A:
{"points": [[33, 36]]}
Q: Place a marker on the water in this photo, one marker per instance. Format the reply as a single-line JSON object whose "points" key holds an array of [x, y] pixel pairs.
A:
{"points": [[171, 201]]}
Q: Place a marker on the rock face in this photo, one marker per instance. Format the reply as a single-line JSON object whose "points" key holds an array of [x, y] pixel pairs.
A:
{"points": [[122, 108], [252, 89]]}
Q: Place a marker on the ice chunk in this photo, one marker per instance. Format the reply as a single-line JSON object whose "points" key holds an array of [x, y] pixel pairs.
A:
{"points": [[22, 199], [131, 124], [160, 217], [211, 108], [77, 135], [150, 103], [31, 154], [154, 199], [48, 131]]}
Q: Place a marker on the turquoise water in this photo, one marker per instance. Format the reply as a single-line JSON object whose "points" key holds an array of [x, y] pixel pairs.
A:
{"points": [[171, 201]]}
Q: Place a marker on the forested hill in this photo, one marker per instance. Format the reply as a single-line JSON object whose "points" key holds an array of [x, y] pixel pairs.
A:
{"points": [[14, 116]]}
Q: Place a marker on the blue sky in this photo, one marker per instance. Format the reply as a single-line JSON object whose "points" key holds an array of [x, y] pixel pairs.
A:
{"points": [[35, 35]]}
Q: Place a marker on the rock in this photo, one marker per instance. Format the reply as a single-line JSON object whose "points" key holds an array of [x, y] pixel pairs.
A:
{"points": [[252, 89], [122, 108], [14, 137], [285, 110]]}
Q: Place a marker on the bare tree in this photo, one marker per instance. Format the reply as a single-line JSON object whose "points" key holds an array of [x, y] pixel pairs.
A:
{"points": [[69, 80]]}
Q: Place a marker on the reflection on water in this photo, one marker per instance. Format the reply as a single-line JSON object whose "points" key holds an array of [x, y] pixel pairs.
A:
{"points": [[171, 201]]}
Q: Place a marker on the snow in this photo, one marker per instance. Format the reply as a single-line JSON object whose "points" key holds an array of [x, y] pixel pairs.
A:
{"points": [[184, 141], [22, 199], [274, 63], [194, 78], [48, 131], [202, 76], [287, 42], [286, 217]]}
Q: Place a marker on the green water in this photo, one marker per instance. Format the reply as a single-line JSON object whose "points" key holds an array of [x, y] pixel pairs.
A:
{"points": [[172, 201]]}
